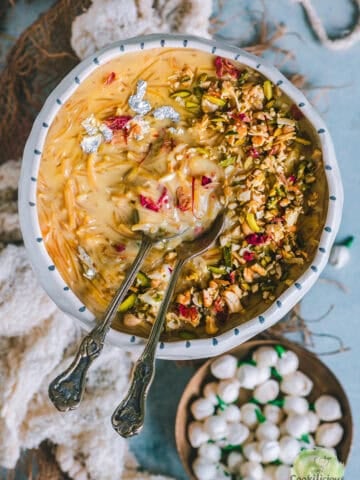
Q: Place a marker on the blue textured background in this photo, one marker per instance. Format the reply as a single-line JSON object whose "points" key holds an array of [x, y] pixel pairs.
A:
{"points": [[340, 106]]}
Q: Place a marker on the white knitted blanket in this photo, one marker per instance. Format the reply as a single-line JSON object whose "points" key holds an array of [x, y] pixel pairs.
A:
{"points": [[36, 339]]}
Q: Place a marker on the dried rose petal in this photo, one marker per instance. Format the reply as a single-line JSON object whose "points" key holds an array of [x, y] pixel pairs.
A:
{"points": [[254, 152], [240, 116], [188, 312], [118, 122], [292, 179], [256, 238], [164, 197], [149, 203], [224, 66], [120, 247], [205, 180], [110, 78], [219, 304], [232, 277], [248, 256]]}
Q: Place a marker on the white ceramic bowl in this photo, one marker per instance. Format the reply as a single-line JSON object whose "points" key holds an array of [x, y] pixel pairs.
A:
{"points": [[43, 265]]}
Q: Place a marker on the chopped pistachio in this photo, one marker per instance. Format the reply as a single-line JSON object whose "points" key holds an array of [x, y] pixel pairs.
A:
{"points": [[181, 94], [268, 90], [128, 303]]}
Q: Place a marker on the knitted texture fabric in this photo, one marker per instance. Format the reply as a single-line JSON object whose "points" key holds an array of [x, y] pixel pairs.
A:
{"points": [[109, 20], [37, 341]]}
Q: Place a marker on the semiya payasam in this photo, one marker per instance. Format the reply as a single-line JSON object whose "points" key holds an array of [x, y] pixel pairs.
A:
{"points": [[159, 141]]}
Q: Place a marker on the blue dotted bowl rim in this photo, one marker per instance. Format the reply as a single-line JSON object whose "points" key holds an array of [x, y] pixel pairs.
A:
{"points": [[50, 278]]}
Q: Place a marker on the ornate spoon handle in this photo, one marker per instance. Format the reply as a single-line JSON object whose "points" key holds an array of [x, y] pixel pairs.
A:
{"points": [[128, 418], [66, 390]]}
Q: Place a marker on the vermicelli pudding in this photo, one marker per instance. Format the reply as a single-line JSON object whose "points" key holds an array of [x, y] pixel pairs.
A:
{"points": [[158, 142]]}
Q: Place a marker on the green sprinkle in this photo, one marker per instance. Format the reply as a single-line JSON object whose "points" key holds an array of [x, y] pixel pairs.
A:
{"points": [[304, 438], [217, 270], [260, 417], [278, 402], [221, 404], [227, 161], [280, 350], [312, 407], [255, 401], [276, 374], [276, 462], [226, 251], [232, 448]]}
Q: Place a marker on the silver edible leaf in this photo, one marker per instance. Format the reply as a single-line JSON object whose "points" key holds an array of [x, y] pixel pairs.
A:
{"points": [[166, 112], [91, 125], [136, 101], [87, 264], [91, 144], [106, 131]]}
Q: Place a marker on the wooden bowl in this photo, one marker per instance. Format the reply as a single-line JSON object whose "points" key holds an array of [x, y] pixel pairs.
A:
{"points": [[324, 380]]}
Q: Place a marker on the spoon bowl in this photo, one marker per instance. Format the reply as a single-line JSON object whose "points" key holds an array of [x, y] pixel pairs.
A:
{"points": [[128, 418], [67, 389]]}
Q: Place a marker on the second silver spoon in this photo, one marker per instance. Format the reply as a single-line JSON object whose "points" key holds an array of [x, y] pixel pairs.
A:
{"points": [[128, 418]]}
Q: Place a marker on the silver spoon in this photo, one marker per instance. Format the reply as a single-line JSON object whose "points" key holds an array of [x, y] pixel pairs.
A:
{"points": [[67, 389], [128, 418]]}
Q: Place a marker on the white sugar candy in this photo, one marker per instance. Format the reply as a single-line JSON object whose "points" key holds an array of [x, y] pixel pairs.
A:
{"points": [[297, 425], [297, 384], [251, 452], [328, 408], [329, 434], [234, 460], [216, 427], [265, 357], [202, 408], [228, 390], [267, 391], [273, 413], [314, 421], [224, 367], [289, 449], [267, 431], [288, 363], [248, 376], [253, 470], [248, 414], [197, 434], [231, 414], [204, 470], [210, 452], [296, 405], [237, 434], [269, 450]]}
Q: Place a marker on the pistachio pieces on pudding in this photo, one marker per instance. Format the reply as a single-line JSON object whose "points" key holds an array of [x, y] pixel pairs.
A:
{"points": [[160, 141]]}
